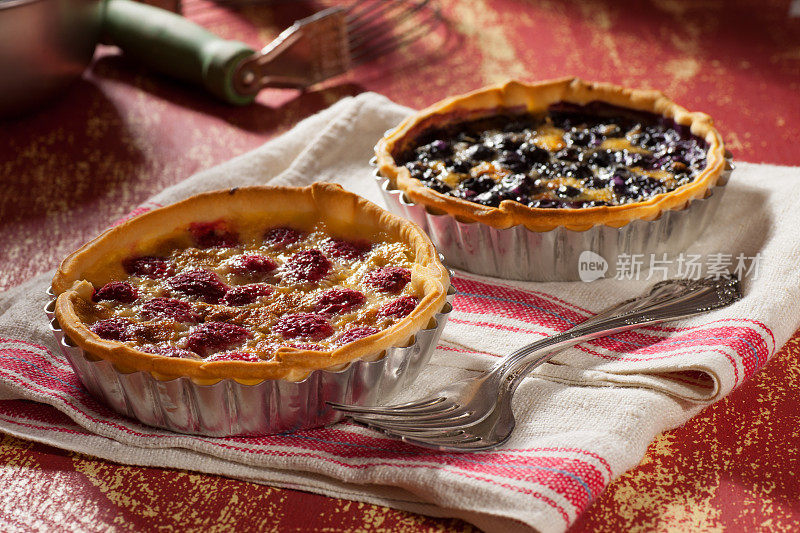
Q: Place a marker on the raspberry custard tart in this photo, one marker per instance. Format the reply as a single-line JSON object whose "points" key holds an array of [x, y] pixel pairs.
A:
{"points": [[252, 284], [562, 154]]}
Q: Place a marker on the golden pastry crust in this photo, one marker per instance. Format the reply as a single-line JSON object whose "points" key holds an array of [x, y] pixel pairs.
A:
{"points": [[251, 209], [532, 98]]}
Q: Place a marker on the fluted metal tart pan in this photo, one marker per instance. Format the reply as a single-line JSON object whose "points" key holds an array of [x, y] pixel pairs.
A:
{"points": [[521, 254], [272, 406]]}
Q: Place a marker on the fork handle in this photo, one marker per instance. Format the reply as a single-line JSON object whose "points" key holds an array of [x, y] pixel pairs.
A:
{"points": [[695, 299], [173, 45]]}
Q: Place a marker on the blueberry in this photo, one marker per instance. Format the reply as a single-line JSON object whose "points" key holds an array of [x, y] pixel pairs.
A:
{"points": [[533, 153], [647, 161], [567, 191], [514, 162], [440, 145], [578, 204], [518, 186], [435, 150], [581, 172], [479, 152], [648, 138], [580, 137], [670, 135], [663, 162], [471, 187], [637, 159], [601, 158], [416, 168], [699, 160], [508, 142], [582, 204], [564, 168], [428, 175], [490, 198], [634, 186], [597, 182], [438, 186], [687, 152], [569, 154], [618, 183], [547, 204], [645, 185], [655, 140], [459, 166], [676, 150]]}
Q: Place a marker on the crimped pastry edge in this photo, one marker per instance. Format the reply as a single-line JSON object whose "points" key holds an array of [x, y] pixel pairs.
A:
{"points": [[537, 97], [325, 202]]}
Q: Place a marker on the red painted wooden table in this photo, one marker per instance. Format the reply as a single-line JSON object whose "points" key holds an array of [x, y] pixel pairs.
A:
{"points": [[121, 134]]}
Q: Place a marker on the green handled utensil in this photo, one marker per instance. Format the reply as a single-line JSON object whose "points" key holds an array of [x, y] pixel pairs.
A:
{"points": [[313, 49], [45, 44], [173, 45]]}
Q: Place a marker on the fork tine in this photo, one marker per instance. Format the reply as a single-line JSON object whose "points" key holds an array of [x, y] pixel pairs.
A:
{"points": [[453, 439], [442, 434], [419, 405], [395, 414], [443, 419], [421, 429], [387, 44], [454, 442], [460, 442], [353, 13], [370, 14], [361, 33], [473, 444]]}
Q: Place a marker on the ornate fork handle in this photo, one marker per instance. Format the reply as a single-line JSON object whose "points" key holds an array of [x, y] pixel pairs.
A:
{"points": [[692, 298]]}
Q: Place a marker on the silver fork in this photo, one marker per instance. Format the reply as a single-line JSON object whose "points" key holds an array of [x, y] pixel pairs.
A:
{"points": [[332, 41], [475, 414]]}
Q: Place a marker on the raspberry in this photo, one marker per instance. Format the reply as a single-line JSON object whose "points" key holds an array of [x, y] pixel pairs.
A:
{"points": [[252, 265], [306, 325], [247, 294], [168, 350], [215, 234], [339, 300], [388, 279], [235, 356], [147, 266], [171, 308], [308, 265], [346, 249], [398, 308], [114, 329], [121, 291], [214, 336], [353, 334], [281, 237], [199, 283]]}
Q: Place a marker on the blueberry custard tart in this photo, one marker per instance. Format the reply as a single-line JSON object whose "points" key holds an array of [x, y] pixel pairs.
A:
{"points": [[251, 284], [557, 153]]}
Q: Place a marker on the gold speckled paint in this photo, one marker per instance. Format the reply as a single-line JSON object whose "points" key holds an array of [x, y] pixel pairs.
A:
{"points": [[121, 134]]}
